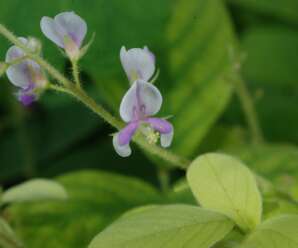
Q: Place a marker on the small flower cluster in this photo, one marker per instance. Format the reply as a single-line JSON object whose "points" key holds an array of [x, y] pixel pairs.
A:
{"points": [[142, 101], [67, 30]]}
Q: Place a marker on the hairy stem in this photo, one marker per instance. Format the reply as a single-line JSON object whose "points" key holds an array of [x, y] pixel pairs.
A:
{"points": [[163, 175], [108, 117], [76, 73]]}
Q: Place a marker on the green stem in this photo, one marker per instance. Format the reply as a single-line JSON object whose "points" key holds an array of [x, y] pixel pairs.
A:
{"points": [[81, 95], [76, 73], [163, 175], [249, 110], [9, 242], [89, 102]]}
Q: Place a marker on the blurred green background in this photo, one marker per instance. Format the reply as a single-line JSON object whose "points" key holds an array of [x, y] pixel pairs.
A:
{"points": [[195, 42]]}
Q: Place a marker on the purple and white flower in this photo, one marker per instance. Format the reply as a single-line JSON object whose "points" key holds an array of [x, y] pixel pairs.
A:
{"points": [[67, 30], [138, 63], [26, 74], [142, 101]]}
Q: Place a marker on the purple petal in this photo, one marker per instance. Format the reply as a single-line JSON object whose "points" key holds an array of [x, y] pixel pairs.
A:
{"points": [[165, 129], [123, 151], [73, 25], [137, 63], [20, 74], [141, 100], [151, 54], [166, 139], [160, 125], [126, 133], [52, 31], [27, 99]]}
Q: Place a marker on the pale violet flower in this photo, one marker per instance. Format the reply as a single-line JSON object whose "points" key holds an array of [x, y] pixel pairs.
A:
{"points": [[67, 30], [138, 63], [27, 74], [142, 101]]}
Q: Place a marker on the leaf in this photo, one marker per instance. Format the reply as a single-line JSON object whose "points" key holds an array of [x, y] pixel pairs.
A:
{"points": [[95, 200], [285, 10], [277, 162], [276, 232], [8, 238], [34, 190], [190, 38], [224, 184], [62, 125], [199, 36], [174, 226]]}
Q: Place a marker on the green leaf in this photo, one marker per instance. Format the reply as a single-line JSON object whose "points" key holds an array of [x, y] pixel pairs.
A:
{"points": [[285, 10], [62, 125], [8, 238], [258, 43], [199, 36], [34, 190], [277, 162], [224, 184], [276, 232], [174, 226], [95, 200]]}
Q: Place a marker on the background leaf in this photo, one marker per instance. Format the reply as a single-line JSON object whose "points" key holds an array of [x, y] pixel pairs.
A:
{"points": [[285, 10], [8, 238], [279, 232], [174, 226], [34, 190], [222, 183], [95, 200]]}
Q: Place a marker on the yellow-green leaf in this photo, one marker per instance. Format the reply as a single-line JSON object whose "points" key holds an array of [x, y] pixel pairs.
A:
{"points": [[171, 226], [278, 232], [35, 190], [224, 184]]}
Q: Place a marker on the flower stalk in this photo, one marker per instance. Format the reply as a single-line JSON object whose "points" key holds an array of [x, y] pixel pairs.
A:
{"points": [[66, 86]]}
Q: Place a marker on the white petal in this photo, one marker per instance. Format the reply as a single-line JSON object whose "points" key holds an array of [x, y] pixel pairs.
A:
{"points": [[18, 74], [137, 63], [73, 25], [123, 151], [149, 97], [166, 139], [52, 31], [15, 52]]}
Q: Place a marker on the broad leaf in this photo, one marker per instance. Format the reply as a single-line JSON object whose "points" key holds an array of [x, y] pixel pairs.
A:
{"points": [[222, 183], [276, 232], [34, 190], [95, 200], [172, 226]]}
